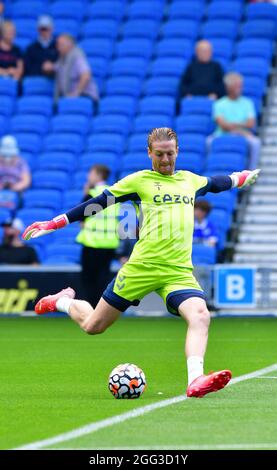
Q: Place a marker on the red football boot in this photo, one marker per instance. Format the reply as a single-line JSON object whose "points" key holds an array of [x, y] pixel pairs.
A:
{"points": [[209, 383], [48, 304]]}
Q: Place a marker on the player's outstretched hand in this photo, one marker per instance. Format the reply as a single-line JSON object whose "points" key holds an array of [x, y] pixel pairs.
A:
{"points": [[244, 178], [37, 229]]}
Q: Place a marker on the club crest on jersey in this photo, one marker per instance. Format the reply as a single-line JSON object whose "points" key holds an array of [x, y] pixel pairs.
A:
{"points": [[158, 185]]}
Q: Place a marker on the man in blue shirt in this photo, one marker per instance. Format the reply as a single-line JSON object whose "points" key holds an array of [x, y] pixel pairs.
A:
{"points": [[235, 114], [204, 231]]}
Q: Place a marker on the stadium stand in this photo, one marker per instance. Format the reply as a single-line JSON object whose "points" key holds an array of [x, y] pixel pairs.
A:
{"points": [[138, 50]]}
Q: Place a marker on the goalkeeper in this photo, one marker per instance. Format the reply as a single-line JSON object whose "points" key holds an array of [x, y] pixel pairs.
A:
{"points": [[161, 259]]}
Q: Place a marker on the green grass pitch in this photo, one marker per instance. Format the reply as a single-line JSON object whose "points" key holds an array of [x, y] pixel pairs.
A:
{"points": [[54, 380]]}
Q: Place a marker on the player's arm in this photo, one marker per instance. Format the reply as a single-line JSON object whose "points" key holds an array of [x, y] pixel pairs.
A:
{"points": [[119, 192], [219, 183]]}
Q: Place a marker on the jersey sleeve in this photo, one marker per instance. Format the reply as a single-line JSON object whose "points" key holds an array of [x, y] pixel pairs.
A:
{"points": [[199, 182], [125, 189]]}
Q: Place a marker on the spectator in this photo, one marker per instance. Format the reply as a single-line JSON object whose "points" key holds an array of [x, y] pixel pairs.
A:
{"points": [[11, 63], [2, 7], [203, 76], [14, 171], [235, 114], [73, 74], [12, 249], [99, 237], [42, 50], [204, 231]]}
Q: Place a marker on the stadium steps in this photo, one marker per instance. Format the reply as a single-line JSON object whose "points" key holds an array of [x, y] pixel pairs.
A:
{"points": [[257, 238]]}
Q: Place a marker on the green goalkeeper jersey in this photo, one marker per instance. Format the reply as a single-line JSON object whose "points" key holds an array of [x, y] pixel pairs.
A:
{"points": [[167, 214]]}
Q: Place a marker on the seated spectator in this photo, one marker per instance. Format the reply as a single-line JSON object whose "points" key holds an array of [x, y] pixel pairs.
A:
{"points": [[14, 171], [73, 74], [42, 50], [204, 231], [12, 249], [203, 76], [235, 114], [11, 63]]}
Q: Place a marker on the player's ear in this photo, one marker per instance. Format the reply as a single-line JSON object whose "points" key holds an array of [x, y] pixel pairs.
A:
{"points": [[149, 152]]}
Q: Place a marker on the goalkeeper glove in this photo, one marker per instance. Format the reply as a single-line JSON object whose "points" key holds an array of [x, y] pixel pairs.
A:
{"points": [[240, 179], [37, 229]]}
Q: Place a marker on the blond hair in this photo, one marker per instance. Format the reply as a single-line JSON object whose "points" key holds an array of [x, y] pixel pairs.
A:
{"points": [[161, 133]]}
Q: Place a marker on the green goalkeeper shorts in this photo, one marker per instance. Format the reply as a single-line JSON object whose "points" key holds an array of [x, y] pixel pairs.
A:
{"points": [[135, 280]]}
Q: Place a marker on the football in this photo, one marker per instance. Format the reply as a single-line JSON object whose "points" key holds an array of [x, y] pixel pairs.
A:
{"points": [[127, 381]]}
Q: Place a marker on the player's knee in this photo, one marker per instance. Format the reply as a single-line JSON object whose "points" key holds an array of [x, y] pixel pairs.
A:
{"points": [[94, 328], [202, 316]]}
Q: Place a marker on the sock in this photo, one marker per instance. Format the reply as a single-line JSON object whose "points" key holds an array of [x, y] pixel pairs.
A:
{"points": [[63, 304], [195, 367]]}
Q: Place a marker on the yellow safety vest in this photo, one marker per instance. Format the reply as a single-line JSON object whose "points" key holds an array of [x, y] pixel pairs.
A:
{"points": [[101, 230]]}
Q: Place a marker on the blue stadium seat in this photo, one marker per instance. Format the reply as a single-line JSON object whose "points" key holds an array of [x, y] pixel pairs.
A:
{"points": [[100, 29], [27, 9], [220, 29], [30, 158], [226, 201], [60, 253], [254, 48], [221, 219], [79, 105], [7, 104], [68, 234], [47, 179], [34, 123], [161, 86], [228, 162], [77, 123], [29, 142], [26, 27], [261, 11], [229, 143], [135, 162], [63, 142], [35, 105], [157, 105], [140, 29], [259, 29], [222, 48], [252, 66], [175, 47], [191, 10], [133, 47], [192, 143], [114, 123], [70, 26], [38, 86], [4, 125], [5, 214], [101, 47], [8, 87], [145, 9], [65, 9], [8, 199], [31, 215], [99, 66], [168, 66], [23, 42], [87, 160], [72, 198], [46, 198], [143, 124], [124, 85], [126, 105], [194, 124], [106, 143], [191, 162], [138, 143], [196, 105], [202, 254], [64, 161], [79, 180], [225, 10], [131, 66], [254, 87], [180, 29], [106, 9]]}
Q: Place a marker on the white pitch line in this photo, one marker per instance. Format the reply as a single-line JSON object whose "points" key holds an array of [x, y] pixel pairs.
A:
{"points": [[96, 426]]}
